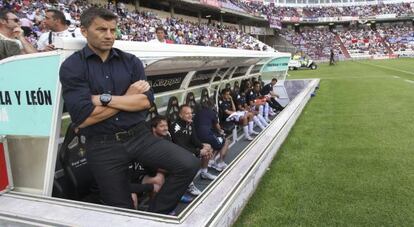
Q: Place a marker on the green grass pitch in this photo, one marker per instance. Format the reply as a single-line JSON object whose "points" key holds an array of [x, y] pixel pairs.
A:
{"points": [[349, 160]]}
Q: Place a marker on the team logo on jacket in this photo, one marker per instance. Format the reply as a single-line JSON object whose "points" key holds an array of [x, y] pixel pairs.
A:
{"points": [[177, 128]]}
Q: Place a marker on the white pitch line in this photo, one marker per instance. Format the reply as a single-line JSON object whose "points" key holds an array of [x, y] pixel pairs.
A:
{"points": [[397, 77], [409, 81], [385, 67]]}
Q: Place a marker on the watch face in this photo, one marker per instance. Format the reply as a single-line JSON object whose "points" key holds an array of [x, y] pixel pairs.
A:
{"points": [[105, 99]]}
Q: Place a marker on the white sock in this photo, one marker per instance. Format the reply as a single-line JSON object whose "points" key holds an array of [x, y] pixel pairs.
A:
{"points": [[203, 170], [251, 126], [217, 157], [266, 110], [257, 121], [264, 122], [246, 131]]}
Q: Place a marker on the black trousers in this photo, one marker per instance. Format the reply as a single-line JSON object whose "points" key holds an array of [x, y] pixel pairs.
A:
{"points": [[109, 161], [275, 104]]}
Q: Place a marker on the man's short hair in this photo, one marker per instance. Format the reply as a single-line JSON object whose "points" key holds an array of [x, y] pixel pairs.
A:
{"points": [[90, 14], [225, 90], [157, 120], [182, 107], [3, 13], [274, 79], [159, 28], [57, 15], [208, 103]]}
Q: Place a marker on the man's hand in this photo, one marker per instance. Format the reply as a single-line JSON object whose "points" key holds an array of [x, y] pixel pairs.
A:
{"points": [[138, 87], [206, 153], [49, 47], [18, 33], [221, 131], [157, 188], [207, 146]]}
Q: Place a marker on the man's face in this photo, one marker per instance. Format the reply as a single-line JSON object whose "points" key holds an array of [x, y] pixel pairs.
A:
{"points": [[226, 95], [49, 21], [160, 35], [248, 84], [161, 129], [186, 114], [11, 22], [273, 82], [257, 87], [100, 34]]}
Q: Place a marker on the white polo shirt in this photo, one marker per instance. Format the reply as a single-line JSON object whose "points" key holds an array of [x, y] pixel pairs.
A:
{"points": [[44, 38]]}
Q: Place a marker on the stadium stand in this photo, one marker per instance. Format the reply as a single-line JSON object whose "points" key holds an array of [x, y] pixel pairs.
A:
{"points": [[353, 40], [139, 26]]}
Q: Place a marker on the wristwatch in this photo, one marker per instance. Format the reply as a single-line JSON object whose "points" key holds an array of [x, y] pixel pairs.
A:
{"points": [[105, 99]]}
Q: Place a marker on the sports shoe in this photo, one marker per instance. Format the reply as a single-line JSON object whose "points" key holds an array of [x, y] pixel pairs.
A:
{"points": [[254, 132], [207, 176], [186, 199], [211, 162], [219, 166], [193, 190], [249, 138]]}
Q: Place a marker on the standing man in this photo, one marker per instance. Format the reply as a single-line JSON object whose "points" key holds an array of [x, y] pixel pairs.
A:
{"points": [[56, 22], [107, 96], [332, 57], [10, 30]]}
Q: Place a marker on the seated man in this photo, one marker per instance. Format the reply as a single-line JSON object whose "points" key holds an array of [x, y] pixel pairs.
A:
{"points": [[183, 134], [241, 105], [209, 131], [242, 117], [258, 102], [271, 96], [159, 127]]}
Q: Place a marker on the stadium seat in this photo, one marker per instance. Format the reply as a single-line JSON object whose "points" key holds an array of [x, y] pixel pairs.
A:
{"points": [[152, 112], [204, 96], [81, 184], [172, 110], [190, 100], [235, 90]]}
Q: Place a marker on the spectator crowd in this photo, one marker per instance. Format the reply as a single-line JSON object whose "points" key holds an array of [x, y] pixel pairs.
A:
{"points": [[133, 26], [399, 37], [258, 8], [316, 42], [141, 26]]}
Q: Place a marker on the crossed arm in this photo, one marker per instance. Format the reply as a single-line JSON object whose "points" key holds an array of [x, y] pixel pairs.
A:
{"points": [[133, 100]]}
